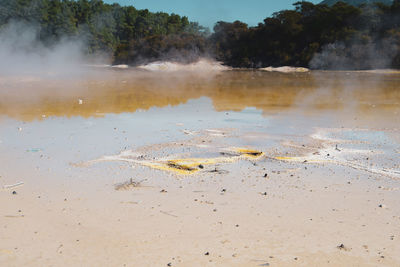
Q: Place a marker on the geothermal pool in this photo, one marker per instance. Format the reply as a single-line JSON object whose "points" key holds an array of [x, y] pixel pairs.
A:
{"points": [[131, 167]]}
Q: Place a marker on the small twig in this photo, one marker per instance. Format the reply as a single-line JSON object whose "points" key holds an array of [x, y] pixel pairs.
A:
{"points": [[169, 214], [13, 185], [14, 216]]}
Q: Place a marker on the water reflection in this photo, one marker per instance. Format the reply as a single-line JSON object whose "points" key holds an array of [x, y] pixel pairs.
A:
{"points": [[104, 92]]}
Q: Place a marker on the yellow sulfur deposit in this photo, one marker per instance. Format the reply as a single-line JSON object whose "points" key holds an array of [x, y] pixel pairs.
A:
{"points": [[186, 166], [289, 158], [193, 165], [250, 153]]}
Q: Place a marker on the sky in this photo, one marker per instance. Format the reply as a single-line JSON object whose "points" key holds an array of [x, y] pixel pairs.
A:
{"points": [[208, 12]]}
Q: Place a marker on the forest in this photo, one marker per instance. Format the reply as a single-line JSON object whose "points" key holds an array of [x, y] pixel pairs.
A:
{"points": [[319, 36]]}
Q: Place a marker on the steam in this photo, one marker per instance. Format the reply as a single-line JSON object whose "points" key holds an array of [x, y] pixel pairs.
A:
{"points": [[22, 53], [338, 56]]}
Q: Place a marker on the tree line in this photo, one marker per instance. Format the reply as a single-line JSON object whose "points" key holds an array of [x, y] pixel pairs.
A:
{"points": [[127, 33], [340, 36]]}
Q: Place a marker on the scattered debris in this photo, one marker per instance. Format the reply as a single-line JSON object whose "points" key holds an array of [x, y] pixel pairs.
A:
{"points": [[128, 185], [59, 247], [187, 132], [343, 247], [218, 171]]}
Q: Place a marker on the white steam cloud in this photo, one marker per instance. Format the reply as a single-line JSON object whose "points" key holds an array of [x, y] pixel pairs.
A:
{"points": [[22, 53], [338, 56]]}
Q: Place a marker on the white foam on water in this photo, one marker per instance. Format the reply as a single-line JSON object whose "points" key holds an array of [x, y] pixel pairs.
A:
{"points": [[98, 65], [285, 69], [331, 154], [121, 66], [203, 65]]}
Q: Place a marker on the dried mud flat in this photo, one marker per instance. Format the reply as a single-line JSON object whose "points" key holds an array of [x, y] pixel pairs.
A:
{"points": [[202, 201]]}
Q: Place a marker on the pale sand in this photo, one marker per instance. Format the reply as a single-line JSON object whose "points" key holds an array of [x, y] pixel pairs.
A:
{"points": [[304, 217]]}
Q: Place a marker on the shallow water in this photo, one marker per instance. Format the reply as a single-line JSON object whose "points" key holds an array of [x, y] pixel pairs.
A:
{"points": [[108, 111], [127, 91]]}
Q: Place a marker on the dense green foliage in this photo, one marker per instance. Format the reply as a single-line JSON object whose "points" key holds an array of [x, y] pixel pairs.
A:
{"points": [[129, 34], [320, 36], [340, 36], [357, 2]]}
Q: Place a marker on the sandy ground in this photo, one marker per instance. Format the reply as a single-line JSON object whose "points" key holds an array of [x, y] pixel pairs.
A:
{"points": [[83, 203]]}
